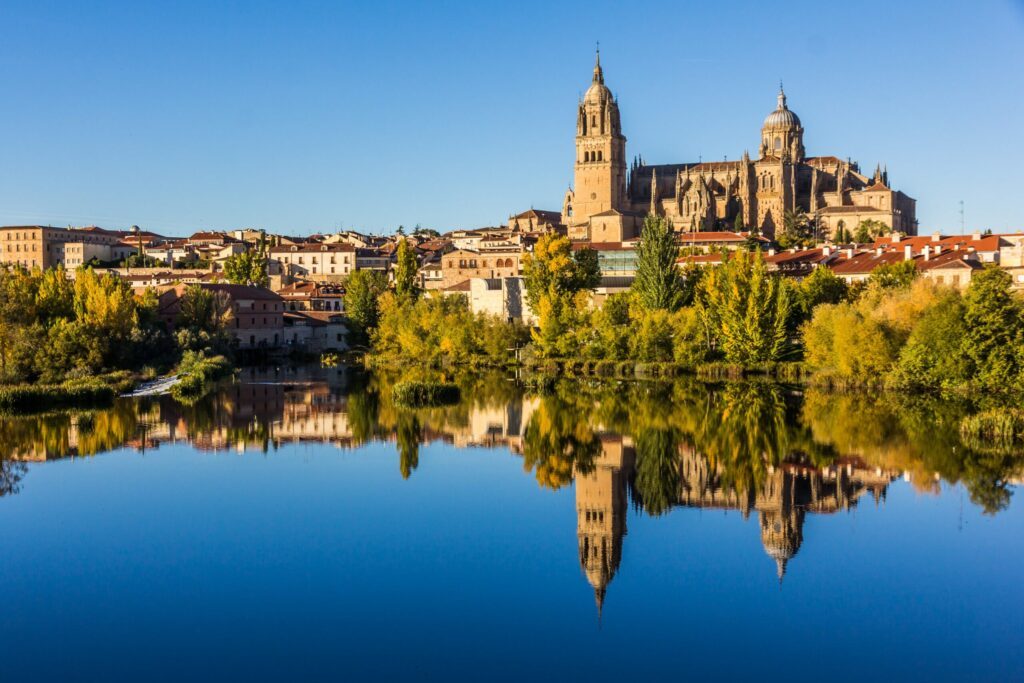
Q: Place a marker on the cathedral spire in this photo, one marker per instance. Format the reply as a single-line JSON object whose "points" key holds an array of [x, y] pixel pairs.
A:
{"points": [[782, 96], [598, 73], [654, 192]]}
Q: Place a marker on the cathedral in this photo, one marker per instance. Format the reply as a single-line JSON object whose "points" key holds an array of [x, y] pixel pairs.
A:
{"points": [[608, 202]]}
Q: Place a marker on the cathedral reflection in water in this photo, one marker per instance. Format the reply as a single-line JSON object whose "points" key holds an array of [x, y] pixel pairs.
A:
{"points": [[788, 493], [271, 408]]}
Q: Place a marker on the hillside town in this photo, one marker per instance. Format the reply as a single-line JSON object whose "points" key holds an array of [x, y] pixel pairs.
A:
{"points": [[304, 304], [801, 212]]}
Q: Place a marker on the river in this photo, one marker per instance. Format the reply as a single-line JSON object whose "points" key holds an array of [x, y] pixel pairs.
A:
{"points": [[296, 525]]}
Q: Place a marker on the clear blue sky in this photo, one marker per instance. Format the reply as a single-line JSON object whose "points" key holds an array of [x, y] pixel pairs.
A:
{"points": [[307, 116]]}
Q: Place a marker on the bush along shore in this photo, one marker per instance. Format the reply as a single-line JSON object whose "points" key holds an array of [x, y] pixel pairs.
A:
{"points": [[197, 374], [45, 397], [424, 393], [896, 331]]}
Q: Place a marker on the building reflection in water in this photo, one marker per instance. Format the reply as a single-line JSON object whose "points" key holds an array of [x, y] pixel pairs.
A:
{"points": [[783, 476], [787, 494]]}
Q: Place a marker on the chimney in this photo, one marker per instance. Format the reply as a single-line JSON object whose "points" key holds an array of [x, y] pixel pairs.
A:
{"points": [[927, 251], [895, 238], [936, 237], [976, 236], [826, 251], [908, 252], [849, 252], [771, 252], [878, 251]]}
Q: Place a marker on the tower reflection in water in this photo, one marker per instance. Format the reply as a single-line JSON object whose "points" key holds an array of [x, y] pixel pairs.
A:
{"points": [[787, 494], [685, 445]]}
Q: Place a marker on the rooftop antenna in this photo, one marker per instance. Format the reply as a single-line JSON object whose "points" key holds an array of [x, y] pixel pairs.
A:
{"points": [[963, 229]]}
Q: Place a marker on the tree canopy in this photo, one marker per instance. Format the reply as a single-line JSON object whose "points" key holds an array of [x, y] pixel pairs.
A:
{"points": [[658, 283]]}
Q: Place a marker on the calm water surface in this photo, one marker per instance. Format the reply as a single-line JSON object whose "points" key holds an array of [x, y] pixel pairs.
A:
{"points": [[296, 525]]}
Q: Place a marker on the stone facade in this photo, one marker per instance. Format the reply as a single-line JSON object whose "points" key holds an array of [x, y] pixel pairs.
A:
{"points": [[607, 203]]}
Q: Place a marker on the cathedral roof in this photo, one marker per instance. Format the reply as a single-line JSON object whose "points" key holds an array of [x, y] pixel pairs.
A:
{"points": [[782, 117], [598, 91]]}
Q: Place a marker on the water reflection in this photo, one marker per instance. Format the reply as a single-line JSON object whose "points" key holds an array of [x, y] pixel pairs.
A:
{"points": [[761, 449]]}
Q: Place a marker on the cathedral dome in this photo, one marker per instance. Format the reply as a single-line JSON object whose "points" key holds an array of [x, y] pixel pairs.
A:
{"points": [[782, 117], [598, 91]]}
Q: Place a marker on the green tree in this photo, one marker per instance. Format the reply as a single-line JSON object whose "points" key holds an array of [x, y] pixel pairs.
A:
{"points": [[552, 269], [870, 229], [55, 297], [250, 266], [362, 293], [746, 309], [658, 284], [406, 268], [994, 336], [822, 286], [893, 275], [932, 357], [657, 483], [796, 229]]}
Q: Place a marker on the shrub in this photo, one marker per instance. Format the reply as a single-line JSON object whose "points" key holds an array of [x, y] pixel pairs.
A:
{"points": [[32, 398], [418, 394], [197, 373], [1000, 428]]}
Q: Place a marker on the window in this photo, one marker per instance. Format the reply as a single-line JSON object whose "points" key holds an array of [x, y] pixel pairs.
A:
{"points": [[778, 143]]}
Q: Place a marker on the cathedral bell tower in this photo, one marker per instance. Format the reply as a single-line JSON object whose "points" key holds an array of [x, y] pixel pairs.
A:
{"points": [[600, 170]]}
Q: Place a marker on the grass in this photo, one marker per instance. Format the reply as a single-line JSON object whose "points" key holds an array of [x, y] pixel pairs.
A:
{"points": [[30, 398], [421, 394], [1000, 427]]}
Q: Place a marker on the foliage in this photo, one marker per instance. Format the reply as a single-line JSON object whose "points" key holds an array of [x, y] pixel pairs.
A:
{"points": [[797, 230], [893, 275], [822, 286], [417, 394], [658, 283], [746, 309], [993, 338], [858, 342], [406, 285], [997, 427], [197, 372], [203, 321], [869, 229], [250, 266], [657, 482], [30, 398], [554, 271], [441, 330], [363, 288], [923, 337]]}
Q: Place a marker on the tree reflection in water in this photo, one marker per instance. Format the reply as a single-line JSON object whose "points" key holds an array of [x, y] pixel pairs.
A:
{"points": [[762, 448]]}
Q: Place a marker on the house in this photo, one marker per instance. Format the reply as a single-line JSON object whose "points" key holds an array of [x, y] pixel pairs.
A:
{"points": [[463, 264], [313, 296], [315, 331], [320, 262], [256, 315]]}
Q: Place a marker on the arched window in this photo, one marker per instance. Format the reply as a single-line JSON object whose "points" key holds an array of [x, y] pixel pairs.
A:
{"points": [[586, 156], [778, 143], [600, 156]]}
